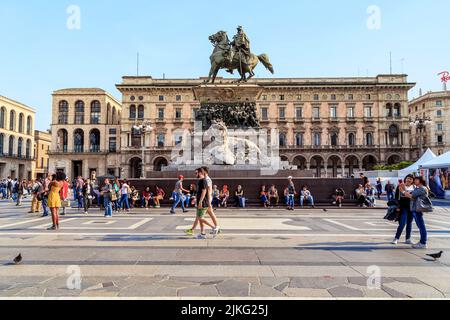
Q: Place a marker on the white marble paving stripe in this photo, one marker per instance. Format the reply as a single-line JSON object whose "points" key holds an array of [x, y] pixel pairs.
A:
{"points": [[19, 223]]}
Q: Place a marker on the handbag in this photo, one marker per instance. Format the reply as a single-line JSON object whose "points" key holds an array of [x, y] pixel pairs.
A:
{"points": [[424, 204], [65, 203], [113, 196]]}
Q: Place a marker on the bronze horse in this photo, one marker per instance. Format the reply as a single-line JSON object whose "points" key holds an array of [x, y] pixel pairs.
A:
{"points": [[220, 59]]}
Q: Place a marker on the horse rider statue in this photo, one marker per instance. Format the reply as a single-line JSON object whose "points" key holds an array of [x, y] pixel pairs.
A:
{"points": [[241, 46]]}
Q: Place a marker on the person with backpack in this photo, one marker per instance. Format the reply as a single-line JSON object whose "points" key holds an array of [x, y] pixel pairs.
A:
{"points": [[405, 216]]}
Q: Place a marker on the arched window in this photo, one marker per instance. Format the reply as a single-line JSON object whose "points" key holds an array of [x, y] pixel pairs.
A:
{"points": [[21, 122], [334, 139], [114, 115], [351, 139], [161, 140], [94, 140], [63, 112], [79, 112], [299, 139], [62, 140], [282, 140], [317, 139], [389, 110], [2, 118], [2, 143], [141, 112], [132, 111], [19, 147], [397, 110], [78, 140], [394, 135], [12, 120], [11, 146], [28, 149], [95, 112], [29, 125], [369, 139]]}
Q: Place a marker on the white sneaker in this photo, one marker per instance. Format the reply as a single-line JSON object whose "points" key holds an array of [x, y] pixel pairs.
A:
{"points": [[215, 231], [408, 241], [201, 236], [419, 246], [395, 241]]}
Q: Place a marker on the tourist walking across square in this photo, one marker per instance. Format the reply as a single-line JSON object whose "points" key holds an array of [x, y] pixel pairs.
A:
{"points": [[106, 192], [178, 195], [291, 193]]}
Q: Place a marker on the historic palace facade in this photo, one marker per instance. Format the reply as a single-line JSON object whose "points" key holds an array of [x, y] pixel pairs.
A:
{"points": [[332, 126], [85, 133], [436, 136], [16, 139]]}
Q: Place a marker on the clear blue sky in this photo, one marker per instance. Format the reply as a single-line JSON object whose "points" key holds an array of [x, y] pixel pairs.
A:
{"points": [[319, 38]]}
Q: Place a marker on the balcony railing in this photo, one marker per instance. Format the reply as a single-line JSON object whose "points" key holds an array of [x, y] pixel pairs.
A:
{"points": [[79, 150], [16, 156]]}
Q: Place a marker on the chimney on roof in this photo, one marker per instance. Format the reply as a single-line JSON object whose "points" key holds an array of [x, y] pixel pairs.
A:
{"points": [[420, 92]]}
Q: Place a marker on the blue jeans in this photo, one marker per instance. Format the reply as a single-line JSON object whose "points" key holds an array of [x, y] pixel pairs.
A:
{"points": [[390, 196], [186, 202], [241, 202], [309, 198], [178, 198], [264, 199], [108, 207], [44, 205], [406, 219], [124, 200], [418, 216], [290, 201]]}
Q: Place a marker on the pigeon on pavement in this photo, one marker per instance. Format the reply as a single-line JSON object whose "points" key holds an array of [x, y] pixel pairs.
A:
{"points": [[435, 256], [18, 259]]}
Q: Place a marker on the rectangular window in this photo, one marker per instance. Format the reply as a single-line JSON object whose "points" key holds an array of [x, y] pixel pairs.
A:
{"points": [[264, 97], [440, 127], [282, 113], [194, 113], [161, 98], [439, 113], [299, 97], [440, 139], [316, 113], [178, 97], [113, 131], [298, 113], [350, 112], [299, 139], [439, 103], [316, 97], [333, 97], [264, 114], [112, 144], [350, 97], [368, 111], [178, 114], [333, 112], [161, 114], [281, 97]]}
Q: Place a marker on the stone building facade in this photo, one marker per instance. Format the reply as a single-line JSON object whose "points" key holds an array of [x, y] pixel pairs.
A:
{"points": [[436, 136], [43, 141], [85, 133], [16, 139], [332, 126]]}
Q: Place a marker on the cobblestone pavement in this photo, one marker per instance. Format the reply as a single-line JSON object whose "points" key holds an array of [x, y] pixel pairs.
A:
{"points": [[262, 253]]}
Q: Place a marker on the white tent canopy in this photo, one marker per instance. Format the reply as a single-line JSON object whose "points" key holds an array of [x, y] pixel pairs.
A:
{"points": [[426, 157], [442, 161]]}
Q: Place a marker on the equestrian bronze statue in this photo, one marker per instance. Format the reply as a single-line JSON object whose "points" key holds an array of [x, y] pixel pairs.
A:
{"points": [[235, 55]]}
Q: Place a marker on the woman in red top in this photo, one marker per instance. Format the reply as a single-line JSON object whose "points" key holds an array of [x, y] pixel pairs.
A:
{"points": [[147, 197], [64, 195]]}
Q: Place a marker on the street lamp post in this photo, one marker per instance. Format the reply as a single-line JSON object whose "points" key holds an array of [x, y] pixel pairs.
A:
{"points": [[143, 129], [420, 123]]}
